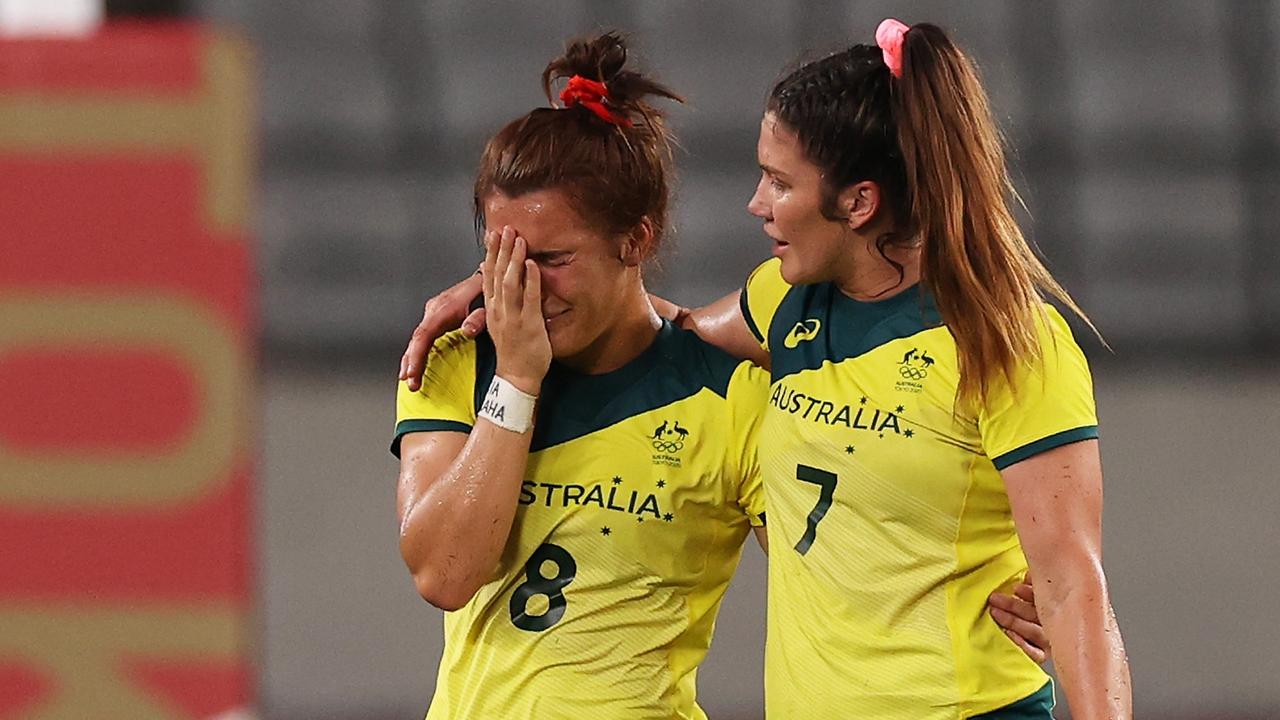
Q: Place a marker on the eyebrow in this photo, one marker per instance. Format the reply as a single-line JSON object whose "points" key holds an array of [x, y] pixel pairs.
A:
{"points": [[772, 170]]}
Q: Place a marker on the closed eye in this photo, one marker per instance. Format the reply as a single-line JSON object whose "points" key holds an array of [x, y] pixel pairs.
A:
{"points": [[552, 259]]}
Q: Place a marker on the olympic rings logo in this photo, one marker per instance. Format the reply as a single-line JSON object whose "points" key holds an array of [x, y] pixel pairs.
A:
{"points": [[668, 447], [912, 373]]}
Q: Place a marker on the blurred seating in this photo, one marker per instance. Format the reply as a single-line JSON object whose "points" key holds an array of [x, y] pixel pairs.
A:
{"points": [[1125, 124]]}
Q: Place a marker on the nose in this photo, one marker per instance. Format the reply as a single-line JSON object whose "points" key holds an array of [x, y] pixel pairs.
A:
{"points": [[550, 290], [759, 205]]}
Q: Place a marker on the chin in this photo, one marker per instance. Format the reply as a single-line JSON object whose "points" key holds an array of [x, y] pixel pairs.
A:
{"points": [[793, 273], [563, 344], [797, 272]]}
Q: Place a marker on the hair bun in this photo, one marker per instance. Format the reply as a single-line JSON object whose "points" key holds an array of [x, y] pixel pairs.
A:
{"points": [[598, 58], [604, 58]]}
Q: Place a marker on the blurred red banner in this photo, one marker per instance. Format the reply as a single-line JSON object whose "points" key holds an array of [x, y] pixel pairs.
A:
{"points": [[126, 392]]}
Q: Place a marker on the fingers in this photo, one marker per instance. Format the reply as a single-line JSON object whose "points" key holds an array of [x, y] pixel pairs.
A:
{"points": [[413, 362], [411, 367], [474, 324], [1015, 606], [1024, 634], [513, 276], [1033, 652], [487, 268], [1021, 622], [1026, 591], [506, 243], [532, 288]]}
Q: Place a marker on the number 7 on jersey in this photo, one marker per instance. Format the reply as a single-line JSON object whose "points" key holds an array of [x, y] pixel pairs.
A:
{"points": [[827, 482]]}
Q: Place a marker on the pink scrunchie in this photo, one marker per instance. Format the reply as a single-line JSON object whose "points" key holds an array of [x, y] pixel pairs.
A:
{"points": [[889, 37]]}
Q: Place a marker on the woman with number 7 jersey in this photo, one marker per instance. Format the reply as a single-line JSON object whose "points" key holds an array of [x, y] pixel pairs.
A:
{"points": [[577, 484]]}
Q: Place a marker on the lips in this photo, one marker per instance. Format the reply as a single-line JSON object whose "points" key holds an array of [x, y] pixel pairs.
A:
{"points": [[778, 244]]}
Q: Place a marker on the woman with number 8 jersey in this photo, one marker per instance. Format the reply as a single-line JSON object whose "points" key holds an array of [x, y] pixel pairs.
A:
{"points": [[576, 485]]}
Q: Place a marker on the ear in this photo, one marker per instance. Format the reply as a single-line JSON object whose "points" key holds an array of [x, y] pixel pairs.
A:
{"points": [[859, 203], [638, 243]]}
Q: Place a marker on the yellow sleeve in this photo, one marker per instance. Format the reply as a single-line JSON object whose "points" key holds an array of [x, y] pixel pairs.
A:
{"points": [[446, 400], [761, 296], [748, 390], [1053, 404]]}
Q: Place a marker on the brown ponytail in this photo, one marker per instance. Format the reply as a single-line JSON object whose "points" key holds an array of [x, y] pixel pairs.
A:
{"points": [[985, 278]]}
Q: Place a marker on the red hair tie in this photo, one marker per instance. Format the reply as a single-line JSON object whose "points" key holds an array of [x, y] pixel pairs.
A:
{"points": [[889, 37], [591, 94]]}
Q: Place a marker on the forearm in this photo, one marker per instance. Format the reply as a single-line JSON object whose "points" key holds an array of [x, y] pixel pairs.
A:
{"points": [[453, 532], [1088, 651], [1056, 499]]}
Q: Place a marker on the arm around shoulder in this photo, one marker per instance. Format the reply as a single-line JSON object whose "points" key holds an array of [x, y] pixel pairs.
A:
{"points": [[734, 323], [723, 324]]}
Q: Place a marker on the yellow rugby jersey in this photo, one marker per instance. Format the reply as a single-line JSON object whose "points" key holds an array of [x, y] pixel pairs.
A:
{"points": [[641, 486], [889, 523]]}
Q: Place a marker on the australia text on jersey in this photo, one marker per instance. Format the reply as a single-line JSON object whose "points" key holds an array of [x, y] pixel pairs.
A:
{"points": [[563, 495], [818, 410]]}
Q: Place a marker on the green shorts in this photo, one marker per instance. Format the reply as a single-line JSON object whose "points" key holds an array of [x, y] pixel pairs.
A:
{"points": [[1037, 706]]}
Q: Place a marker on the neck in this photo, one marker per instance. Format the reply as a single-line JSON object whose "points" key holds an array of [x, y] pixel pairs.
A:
{"points": [[868, 276], [633, 331]]}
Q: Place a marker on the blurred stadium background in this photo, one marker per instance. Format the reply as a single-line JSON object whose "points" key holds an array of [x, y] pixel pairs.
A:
{"points": [[221, 218]]}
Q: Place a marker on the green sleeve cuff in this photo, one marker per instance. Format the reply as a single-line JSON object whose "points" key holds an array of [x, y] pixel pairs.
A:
{"points": [[404, 427], [746, 315], [1066, 437]]}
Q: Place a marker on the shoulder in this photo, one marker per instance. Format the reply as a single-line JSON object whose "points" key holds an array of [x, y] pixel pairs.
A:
{"points": [[456, 358], [1058, 347], [453, 345], [1054, 324], [448, 397], [761, 296], [699, 364], [767, 275], [456, 366]]}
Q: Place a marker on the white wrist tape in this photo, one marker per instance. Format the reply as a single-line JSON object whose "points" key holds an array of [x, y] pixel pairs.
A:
{"points": [[507, 406]]}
